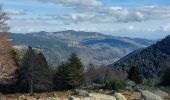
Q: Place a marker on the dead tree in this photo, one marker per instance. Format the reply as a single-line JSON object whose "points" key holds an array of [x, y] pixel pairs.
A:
{"points": [[7, 63], [3, 20]]}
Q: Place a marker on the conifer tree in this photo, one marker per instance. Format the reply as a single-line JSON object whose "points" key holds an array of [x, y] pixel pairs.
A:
{"points": [[25, 72], [70, 75], [43, 71], [33, 73], [75, 71], [61, 77], [135, 75]]}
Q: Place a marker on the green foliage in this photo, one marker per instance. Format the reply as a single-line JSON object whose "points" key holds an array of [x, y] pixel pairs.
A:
{"points": [[75, 71], [18, 56], [60, 78], [166, 77], [115, 84], [135, 75], [33, 74], [70, 75]]}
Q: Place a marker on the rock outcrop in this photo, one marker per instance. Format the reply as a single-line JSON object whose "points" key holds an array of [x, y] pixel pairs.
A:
{"points": [[147, 95], [119, 96]]}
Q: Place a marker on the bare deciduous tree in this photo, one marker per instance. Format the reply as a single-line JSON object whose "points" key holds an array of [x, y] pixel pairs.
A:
{"points": [[7, 63], [3, 20]]}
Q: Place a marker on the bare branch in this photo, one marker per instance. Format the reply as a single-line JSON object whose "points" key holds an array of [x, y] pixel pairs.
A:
{"points": [[3, 20]]}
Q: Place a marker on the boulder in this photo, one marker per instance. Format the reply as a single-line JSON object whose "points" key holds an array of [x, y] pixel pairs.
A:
{"points": [[72, 98], [101, 91], [161, 93], [137, 88], [22, 97], [130, 83], [129, 88], [79, 98], [147, 95], [83, 93], [99, 96], [166, 89], [2, 97], [119, 96]]}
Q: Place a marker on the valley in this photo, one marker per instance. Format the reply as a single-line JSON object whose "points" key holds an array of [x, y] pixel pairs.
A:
{"points": [[91, 47]]}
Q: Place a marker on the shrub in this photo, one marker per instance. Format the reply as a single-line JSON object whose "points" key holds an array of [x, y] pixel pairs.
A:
{"points": [[114, 84]]}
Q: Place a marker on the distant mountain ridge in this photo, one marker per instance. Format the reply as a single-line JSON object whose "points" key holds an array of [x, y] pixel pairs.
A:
{"points": [[91, 47], [152, 60]]}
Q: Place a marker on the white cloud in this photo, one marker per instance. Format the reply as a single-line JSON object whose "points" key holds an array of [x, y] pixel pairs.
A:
{"points": [[77, 3], [116, 8], [15, 12], [138, 14], [78, 16], [18, 29], [31, 30], [166, 28], [119, 14], [131, 28]]}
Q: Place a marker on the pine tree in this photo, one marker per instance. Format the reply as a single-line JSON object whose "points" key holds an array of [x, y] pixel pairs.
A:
{"points": [[135, 75], [70, 75], [61, 77], [44, 82], [75, 72], [25, 73], [33, 73]]}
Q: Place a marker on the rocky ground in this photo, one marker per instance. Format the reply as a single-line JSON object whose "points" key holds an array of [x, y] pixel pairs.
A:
{"points": [[126, 95], [132, 94]]}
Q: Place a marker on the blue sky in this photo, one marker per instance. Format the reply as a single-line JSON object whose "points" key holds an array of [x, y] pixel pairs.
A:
{"points": [[130, 18]]}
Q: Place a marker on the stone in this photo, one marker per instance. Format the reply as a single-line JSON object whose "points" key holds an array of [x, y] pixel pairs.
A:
{"points": [[119, 96], [147, 95], [101, 91], [99, 96], [83, 93], [137, 88], [161, 93], [130, 83], [71, 98], [129, 88], [22, 97]]}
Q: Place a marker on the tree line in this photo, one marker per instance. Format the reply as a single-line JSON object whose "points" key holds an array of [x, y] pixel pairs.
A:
{"points": [[31, 73]]}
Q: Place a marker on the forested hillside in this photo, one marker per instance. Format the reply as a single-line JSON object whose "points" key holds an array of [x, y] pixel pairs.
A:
{"points": [[152, 61]]}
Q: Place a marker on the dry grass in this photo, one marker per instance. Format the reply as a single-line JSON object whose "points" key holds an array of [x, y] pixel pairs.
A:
{"points": [[37, 96], [132, 95]]}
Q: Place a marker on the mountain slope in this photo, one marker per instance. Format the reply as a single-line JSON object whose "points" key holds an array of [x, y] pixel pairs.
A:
{"points": [[151, 60], [90, 46]]}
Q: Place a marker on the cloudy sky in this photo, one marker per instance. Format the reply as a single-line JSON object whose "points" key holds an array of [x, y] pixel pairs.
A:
{"points": [[130, 18]]}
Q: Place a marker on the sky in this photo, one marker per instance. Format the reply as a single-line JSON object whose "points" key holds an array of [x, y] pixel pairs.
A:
{"points": [[126, 18]]}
